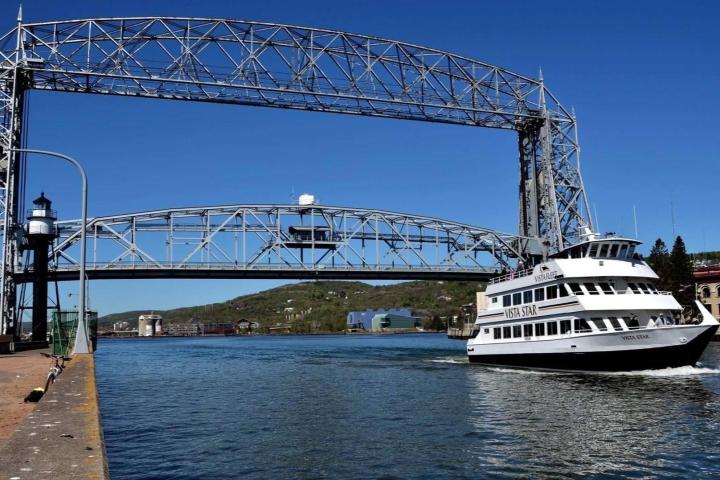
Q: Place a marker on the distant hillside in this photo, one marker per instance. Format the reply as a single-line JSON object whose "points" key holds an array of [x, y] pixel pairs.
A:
{"points": [[321, 306], [710, 258]]}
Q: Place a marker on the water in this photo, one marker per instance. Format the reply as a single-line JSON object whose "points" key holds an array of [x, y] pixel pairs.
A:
{"points": [[392, 407]]}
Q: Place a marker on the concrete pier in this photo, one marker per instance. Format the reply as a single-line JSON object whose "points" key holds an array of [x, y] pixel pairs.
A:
{"points": [[62, 437]]}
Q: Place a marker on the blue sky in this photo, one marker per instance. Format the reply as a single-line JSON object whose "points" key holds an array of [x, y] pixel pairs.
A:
{"points": [[642, 77]]}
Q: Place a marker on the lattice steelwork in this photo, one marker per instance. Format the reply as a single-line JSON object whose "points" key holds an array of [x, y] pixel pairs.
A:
{"points": [[252, 63], [263, 241]]}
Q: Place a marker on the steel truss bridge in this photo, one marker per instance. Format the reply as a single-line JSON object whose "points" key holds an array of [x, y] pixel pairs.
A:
{"points": [[271, 241], [284, 66]]}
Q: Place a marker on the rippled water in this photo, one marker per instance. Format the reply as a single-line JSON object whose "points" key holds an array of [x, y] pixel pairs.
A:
{"points": [[397, 406]]}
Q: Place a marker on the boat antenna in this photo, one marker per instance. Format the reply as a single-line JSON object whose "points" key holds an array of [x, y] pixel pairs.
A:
{"points": [[597, 221], [672, 217], [635, 220]]}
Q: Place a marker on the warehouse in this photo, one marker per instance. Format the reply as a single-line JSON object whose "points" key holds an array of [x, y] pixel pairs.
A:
{"points": [[363, 320]]}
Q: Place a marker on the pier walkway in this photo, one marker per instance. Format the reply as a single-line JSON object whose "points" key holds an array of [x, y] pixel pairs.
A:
{"points": [[62, 437]]}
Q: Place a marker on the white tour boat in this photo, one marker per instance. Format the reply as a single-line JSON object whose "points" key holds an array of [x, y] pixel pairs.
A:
{"points": [[593, 306]]}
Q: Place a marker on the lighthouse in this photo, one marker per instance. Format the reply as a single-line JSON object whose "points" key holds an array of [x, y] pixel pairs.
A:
{"points": [[40, 233]]}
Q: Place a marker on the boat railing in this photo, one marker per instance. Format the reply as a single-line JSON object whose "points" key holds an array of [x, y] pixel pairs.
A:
{"points": [[511, 276]]}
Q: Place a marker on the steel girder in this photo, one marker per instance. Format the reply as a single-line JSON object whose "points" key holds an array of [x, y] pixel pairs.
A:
{"points": [[241, 241], [285, 66]]}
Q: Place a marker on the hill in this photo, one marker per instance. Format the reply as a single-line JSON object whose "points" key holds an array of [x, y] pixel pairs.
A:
{"points": [[321, 306], [709, 258]]}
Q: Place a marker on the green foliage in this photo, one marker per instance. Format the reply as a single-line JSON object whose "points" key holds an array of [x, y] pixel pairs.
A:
{"points": [[659, 261], [710, 258], [681, 273], [322, 306], [433, 323]]}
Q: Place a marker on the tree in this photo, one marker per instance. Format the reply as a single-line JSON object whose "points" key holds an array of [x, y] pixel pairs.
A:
{"points": [[659, 261], [681, 273]]}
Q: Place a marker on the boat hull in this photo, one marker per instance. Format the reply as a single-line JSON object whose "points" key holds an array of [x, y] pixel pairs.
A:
{"points": [[609, 360]]}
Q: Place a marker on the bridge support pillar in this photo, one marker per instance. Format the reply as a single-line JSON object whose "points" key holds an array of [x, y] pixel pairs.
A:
{"points": [[12, 98], [530, 147]]}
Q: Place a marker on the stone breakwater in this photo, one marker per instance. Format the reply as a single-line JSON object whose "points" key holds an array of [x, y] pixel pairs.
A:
{"points": [[62, 437]]}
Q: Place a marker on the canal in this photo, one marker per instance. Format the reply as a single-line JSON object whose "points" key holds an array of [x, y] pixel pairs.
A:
{"points": [[394, 406]]}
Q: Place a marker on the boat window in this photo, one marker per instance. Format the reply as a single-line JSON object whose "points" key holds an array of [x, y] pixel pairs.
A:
{"points": [[632, 322], [581, 325], [516, 331], [552, 292], [527, 330], [517, 298], [604, 250], [506, 332], [563, 290], [575, 287], [487, 330], [623, 250], [539, 294], [615, 323], [527, 296], [631, 251], [643, 288], [539, 329], [614, 250], [552, 328], [592, 290], [599, 323], [593, 249], [494, 300], [506, 300], [633, 287], [605, 287], [497, 334], [653, 289], [564, 326]]}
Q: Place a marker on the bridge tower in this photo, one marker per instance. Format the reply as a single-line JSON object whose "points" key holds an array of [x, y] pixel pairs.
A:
{"points": [[241, 62]]}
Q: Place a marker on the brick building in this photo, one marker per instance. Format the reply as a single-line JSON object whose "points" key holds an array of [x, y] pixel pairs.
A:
{"points": [[707, 287]]}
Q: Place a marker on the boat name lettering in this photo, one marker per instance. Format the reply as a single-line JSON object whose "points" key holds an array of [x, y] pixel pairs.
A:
{"points": [[545, 276], [635, 337], [520, 312]]}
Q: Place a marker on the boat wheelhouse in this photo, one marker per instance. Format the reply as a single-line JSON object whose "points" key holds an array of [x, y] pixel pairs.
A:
{"points": [[593, 306]]}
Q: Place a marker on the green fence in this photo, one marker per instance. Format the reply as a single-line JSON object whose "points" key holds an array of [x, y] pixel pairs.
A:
{"points": [[64, 327]]}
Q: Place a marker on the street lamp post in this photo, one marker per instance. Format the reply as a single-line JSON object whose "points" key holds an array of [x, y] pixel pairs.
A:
{"points": [[82, 343]]}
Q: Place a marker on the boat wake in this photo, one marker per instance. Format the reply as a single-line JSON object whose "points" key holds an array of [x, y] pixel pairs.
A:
{"points": [[686, 371], [454, 360], [527, 371]]}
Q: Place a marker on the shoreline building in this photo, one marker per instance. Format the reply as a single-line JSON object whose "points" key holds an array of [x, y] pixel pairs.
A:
{"points": [[707, 287], [392, 317], [150, 325]]}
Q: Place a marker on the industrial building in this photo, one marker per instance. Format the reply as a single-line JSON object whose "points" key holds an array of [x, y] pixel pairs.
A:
{"points": [[365, 320], [183, 329], [217, 329], [391, 321], [121, 326], [150, 325]]}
